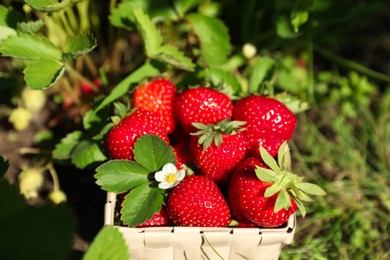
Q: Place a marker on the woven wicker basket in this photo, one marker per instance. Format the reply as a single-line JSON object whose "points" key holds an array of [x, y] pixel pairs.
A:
{"points": [[195, 243]]}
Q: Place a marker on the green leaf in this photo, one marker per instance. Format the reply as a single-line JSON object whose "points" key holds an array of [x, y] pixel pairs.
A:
{"points": [[49, 5], [9, 17], [183, 6], [272, 190], [223, 78], [173, 56], [282, 201], [43, 73], [29, 46], [30, 27], [310, 188], [147, 70], [109, 244], [141, 203], [261, 72], [301, 207], [120, 176], [269, 160], [293, 103], [299, 17], [3, 166], [214, 38], [284, 27], [152, 152], [281, 153], [265, 175], [63, 150], [6, 32], [86, 153], [122, 15], [80, 44], [28, 232], [150, 34]]}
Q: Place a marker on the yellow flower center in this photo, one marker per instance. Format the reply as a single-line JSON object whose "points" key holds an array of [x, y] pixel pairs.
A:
{"points": [[171, 177]]}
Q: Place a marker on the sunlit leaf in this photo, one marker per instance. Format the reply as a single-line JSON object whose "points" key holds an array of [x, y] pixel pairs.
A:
{"points": [[43, 73]]}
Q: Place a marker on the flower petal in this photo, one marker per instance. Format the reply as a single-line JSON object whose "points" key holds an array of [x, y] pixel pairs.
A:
{"points": [[160, 176], [165, 185], [169, 168]]}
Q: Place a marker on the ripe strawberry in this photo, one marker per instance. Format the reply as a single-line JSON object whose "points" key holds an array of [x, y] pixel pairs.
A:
{"points": [[88, 90], [269, 122], [121, 138], [158, 96], [217, 149], [197, 201], [159, 219], [266, 193], [202, 105]]}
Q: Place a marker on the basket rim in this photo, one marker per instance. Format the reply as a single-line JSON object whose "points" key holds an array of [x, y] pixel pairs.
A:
{"points": [[109, 211]]}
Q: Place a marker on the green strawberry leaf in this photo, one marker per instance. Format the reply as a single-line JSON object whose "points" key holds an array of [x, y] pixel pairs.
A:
{"points": [[282, 152], [310, 188], [150, 34], [272, 190], [262, 71], [30, 27], [9, 17], [85, 153], [265, 175], [153, 153], [49, 5], [29, 46], [183, 6], [80, 44], [301, 207], [43, 73], [269, 160], [120, 176], [223, 78], [299, 17], [141, 203], [108, 244], [119, 91], [284, 28], [282, 201], [214, 38], [6, 32], [122, 15], [3, 166], [63, 150], [173, 56]]}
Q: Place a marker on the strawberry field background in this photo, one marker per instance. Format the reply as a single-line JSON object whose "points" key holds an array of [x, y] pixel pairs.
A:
{"points": [[327, 60]]}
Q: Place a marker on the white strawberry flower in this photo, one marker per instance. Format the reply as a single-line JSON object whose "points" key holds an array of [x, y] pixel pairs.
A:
{"points": [[169, 176]]}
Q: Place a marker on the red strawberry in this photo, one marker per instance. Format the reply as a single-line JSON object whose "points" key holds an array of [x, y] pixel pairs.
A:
{"points": [[159, 219], [217, 149], [267, 193], [197, 201], [202, 105], [158, 97], [121, 138], [269, 122], [87, 89]]}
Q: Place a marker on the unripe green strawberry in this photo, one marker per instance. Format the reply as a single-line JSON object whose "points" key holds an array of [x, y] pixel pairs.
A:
{"points": [[30, 180], [57, 196], [33, 100], [20, 118]]}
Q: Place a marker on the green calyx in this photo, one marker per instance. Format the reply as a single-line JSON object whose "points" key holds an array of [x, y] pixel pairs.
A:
{"points": [[213, 133], [285, 182]]}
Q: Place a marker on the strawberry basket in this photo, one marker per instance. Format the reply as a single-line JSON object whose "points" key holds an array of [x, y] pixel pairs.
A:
{"points": [[176, 242], [220, 171]]}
